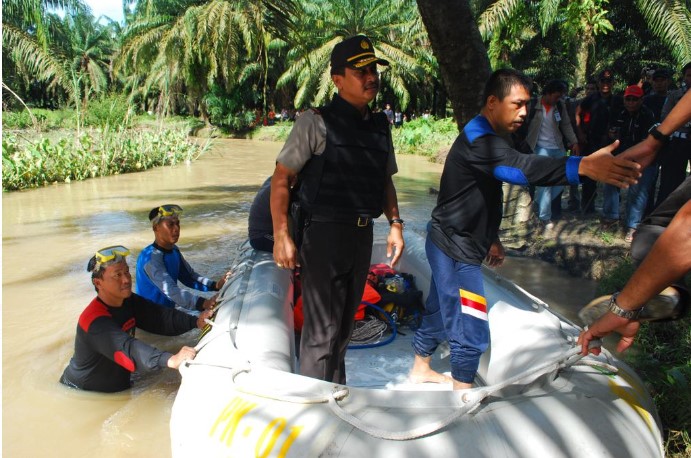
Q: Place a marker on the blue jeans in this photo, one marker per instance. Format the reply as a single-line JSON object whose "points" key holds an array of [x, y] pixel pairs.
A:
{"points": [[610, 202], [545, 195], [637, 197], [456, 312]]}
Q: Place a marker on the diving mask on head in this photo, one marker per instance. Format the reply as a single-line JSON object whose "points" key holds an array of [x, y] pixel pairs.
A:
{"points": [[106, 256], [164, 211]]}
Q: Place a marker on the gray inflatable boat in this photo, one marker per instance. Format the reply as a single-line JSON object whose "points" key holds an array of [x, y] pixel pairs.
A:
{"points": [[534, 396]]}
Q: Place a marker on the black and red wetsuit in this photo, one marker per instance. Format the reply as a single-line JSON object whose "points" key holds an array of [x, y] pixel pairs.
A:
{"points": [[105, 350]]}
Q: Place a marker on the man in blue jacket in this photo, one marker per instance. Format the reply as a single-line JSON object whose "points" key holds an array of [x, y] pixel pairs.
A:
{"points": [[465, 222], [161, 265]]}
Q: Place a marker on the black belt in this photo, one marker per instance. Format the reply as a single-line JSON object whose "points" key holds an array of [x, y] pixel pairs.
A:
{"points": [[359, 221]]}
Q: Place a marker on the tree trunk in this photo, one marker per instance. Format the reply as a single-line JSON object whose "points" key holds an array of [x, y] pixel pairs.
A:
{"points": [[462, 56], [582, 53]]}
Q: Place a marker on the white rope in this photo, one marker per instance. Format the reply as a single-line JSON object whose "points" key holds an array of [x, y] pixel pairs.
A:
{"points": [[471, 398]]}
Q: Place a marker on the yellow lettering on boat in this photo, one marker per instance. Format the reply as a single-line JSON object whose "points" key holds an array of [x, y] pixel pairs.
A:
{"points": [[231, 416], [294, 433], [627, 395], [272, 431]]}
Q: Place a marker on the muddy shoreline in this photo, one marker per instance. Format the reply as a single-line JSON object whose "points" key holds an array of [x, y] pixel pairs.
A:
{"points": [[578, 244]]}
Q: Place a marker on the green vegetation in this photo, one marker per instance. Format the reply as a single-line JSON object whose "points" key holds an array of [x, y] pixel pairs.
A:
{"points": [[425, 137], [661, 355], [27, 164], [421, 137]]}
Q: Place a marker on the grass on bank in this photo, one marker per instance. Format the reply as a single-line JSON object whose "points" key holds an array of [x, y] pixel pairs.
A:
{"points": [[60, 146]]}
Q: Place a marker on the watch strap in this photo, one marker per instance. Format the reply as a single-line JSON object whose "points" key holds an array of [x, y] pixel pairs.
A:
{"points": [[657, 135], [628, 314]]}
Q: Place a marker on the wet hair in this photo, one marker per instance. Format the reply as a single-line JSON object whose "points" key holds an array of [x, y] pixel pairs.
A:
{"points": [[554, 86], [95, 273], [501, 81]]}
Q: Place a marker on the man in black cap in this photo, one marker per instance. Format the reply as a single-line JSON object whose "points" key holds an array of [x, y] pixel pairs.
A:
{"points": [[656, 99], [343, 156], [601, 105]]}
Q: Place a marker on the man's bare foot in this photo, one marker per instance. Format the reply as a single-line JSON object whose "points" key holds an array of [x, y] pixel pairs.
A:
{"points": [[423, 373], [461, 385]]}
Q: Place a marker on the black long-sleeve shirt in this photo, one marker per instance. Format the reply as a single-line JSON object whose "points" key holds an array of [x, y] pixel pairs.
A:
{"points": [[105, 349], [466, 219]]}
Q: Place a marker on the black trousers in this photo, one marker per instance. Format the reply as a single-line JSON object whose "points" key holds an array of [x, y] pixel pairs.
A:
{"points": [[335, 260], [673, 161]]}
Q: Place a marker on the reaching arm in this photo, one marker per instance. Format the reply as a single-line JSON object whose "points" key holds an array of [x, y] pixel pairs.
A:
{"points": [[644, 152], [614, 170], [667, 261]]}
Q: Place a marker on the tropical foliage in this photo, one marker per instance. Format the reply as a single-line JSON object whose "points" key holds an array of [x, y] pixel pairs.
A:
{"points": [[28, 164], [188, 56]]}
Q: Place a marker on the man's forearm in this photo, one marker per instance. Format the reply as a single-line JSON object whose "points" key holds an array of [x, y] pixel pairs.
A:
{"points": [[667, 261]]}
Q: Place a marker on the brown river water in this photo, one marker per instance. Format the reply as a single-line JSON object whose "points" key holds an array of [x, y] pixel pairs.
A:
{"points": [[49, 234]]}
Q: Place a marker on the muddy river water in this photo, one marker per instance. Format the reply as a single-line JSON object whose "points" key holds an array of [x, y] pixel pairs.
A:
{"points": [[49, 234]]}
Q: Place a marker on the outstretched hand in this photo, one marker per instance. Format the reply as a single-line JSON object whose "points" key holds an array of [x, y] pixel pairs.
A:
{"points": [[643, 152], [615, 170]]}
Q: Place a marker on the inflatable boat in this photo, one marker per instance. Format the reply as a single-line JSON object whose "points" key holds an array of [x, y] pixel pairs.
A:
{"points": [[534, 396]]}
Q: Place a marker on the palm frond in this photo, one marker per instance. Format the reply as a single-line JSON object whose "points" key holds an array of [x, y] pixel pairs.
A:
{"points": [[670, 20]]}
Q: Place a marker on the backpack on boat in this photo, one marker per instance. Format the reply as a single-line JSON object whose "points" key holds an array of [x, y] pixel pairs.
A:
{"points": [[399, 295]]}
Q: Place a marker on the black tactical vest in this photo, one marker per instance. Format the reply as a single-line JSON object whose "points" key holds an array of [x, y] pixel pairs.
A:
{"points": [[348, 179]]}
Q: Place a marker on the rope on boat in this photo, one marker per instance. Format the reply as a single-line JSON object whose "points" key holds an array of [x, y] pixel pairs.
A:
{"points": [[368, 331], [471, 398]]}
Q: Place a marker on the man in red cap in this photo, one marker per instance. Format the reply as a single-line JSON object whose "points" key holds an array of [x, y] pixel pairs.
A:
{"points": [[630, 126], [344, 158]]}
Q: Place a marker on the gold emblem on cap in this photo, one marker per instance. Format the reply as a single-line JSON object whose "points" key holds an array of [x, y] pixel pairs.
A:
{"points": [[364, 44]]}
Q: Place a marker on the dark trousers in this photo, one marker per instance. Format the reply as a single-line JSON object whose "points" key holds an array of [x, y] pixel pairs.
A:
{"points": [[335, 260], [588, 194], [673, 161]]}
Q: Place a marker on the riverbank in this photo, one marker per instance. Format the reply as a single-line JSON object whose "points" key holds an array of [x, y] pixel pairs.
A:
{"points": [[578, 244]]}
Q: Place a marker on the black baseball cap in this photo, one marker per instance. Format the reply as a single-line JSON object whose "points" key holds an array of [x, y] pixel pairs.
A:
{"points": [[662, 73], [606, 75], [355, 52]]}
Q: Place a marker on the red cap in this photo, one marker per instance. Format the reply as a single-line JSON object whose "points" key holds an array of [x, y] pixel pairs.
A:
{"points": [[634, 91]]}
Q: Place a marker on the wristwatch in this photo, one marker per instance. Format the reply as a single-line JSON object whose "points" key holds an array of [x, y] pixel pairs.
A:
{"points": [[657, 135], [397, 220], [618, 311]]}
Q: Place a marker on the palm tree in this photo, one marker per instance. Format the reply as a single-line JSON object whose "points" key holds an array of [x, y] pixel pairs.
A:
{"points": [[580, 22], [186, 47], [395, 28], [28, 30], [88, 47]]}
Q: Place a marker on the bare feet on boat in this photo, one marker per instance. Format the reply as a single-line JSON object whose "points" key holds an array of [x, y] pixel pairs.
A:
{"points": [[461, 385], [423, 373]]}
